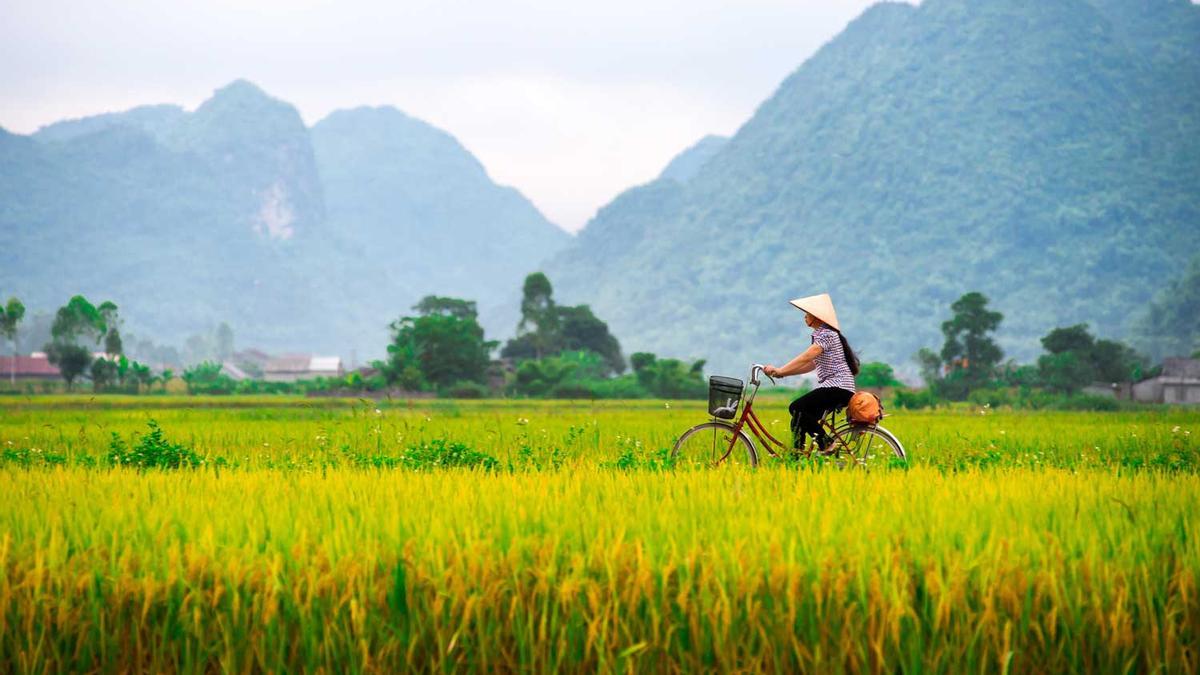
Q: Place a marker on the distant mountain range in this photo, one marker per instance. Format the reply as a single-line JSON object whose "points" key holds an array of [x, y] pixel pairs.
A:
{"points": [[302, 239], [1044, 153]]}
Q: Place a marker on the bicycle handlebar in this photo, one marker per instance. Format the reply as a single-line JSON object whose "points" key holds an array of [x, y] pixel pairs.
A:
{"points": [[755, 369]]}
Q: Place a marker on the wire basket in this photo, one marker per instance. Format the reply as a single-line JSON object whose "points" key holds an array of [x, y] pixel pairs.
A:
{"points": [[724, 395]]}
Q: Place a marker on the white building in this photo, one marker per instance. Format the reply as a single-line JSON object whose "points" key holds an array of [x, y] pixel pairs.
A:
{"points": [[1179, 382], [293, 367]]}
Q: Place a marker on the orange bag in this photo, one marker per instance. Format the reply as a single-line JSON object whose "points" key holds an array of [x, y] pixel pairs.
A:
{"points": [[864, 408]]}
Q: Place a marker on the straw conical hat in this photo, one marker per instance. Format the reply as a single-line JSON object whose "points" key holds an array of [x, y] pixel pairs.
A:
{"points": [[820, 306]]}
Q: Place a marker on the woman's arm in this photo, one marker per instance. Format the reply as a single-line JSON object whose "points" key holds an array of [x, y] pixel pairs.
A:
{"points": [[803, 363]]}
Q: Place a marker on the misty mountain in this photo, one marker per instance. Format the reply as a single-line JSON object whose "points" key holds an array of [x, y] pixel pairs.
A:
{"points": [[398, 188], [687, 163], [300, 239], [1046, 154]]}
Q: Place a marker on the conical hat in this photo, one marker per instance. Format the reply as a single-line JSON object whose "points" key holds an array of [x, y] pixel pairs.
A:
{"points": [[820, 306]]}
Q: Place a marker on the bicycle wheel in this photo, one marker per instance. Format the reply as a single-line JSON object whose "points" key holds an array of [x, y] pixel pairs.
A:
{"points": [[713, 444], [869, 446]]}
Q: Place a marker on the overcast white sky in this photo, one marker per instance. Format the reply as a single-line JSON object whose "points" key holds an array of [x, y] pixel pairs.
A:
{"points": [[570, 102]]}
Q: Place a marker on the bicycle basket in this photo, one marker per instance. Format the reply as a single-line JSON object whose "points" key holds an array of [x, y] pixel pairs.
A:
{"points": [[724, 395]]}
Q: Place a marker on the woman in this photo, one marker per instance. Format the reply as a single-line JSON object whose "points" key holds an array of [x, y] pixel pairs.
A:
{"points": [[836, 365]]}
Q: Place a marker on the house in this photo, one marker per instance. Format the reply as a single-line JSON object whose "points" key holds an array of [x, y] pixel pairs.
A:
{"points": [[233, 372], [1179, 382], [293, 367], [34, 367]]}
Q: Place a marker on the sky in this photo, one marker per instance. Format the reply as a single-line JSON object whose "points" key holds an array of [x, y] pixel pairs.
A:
{"points": [[571, 102]]}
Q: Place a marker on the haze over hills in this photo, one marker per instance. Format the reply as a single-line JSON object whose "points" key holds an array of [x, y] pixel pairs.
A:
{"points": [[1046, 154], [301, 239]]}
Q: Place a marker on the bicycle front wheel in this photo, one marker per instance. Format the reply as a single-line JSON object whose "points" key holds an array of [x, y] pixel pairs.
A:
{"points": [[872, 446], [714, 444]]}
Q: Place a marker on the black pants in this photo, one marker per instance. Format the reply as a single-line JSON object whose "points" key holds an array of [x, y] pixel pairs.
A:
{"points": [[809, 408]]}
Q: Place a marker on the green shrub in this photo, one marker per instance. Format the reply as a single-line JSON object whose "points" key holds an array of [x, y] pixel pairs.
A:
{"points": [[466, 389], [994, 398], [576, 389], [151, 451], [441, 454], [915, 399], [626, 386]]}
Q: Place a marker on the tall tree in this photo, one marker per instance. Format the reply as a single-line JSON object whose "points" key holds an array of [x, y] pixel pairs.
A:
{"points": [[1075, 359], [580, 329], [73, 321], [444, 344], [969, 351], [436, 305], [539, 320], [548, 329], [112, 329], [11, 315]]}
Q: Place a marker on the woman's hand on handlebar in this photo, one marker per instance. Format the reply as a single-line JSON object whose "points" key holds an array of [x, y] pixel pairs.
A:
{"points": [[770, 371]]}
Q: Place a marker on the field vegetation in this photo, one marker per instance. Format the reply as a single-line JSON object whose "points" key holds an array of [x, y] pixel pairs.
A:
{"points": [[193, 534]]}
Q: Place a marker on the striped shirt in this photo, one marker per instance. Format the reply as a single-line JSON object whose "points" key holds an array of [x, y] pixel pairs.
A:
{"points": [[832, 369]]}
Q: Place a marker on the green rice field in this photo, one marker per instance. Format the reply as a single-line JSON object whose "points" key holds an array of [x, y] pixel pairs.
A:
{"points": [[357, 536]]}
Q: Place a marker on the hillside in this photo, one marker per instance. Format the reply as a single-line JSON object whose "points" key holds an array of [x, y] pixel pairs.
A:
{"points": [[1046, 154], [300, 239]]}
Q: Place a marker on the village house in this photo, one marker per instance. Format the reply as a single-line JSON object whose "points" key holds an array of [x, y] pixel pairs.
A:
{"points": [[35, 367], [1179, 382], [293, 367]]}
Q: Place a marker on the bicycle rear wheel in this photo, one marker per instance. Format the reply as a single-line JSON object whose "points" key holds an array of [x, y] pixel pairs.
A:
{"points": [[714, 444], [871, 446]]}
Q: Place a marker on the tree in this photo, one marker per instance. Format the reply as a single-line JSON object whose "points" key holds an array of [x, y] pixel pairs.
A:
{"points": [[207, 378], [876, 374], [1065, 372], [547, 329], [11, 315], [111, 330], [104, 374], [1075, 359], [432, 305], [1116, 362], [77, 319], [930, 365], [538, 331], [669, 378], [580, 329], [71, 359], [969, 352], [1075, 338], [444, 345]]}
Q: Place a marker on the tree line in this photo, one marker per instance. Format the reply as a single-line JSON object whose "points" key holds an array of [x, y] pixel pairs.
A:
{"points": [[970, 364], [558, 350], [566, 351]]}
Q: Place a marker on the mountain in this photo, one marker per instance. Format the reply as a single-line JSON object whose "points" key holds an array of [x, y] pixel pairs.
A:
{"points": [[412, 197], [300, 239], [687, 163], [1046, 154]]}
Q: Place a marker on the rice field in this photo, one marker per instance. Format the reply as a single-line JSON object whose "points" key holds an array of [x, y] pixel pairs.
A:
{"points": [[355, 536]]}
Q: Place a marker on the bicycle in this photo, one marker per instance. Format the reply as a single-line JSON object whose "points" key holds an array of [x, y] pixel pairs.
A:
{"points": [[714, 442]]}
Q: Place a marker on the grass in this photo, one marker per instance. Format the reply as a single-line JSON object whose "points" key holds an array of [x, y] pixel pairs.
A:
{"points": [[1012, 541]]}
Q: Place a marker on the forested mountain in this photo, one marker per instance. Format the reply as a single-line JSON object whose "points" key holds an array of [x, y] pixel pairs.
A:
{"points": [[228, 214], [1046, 154], [687, 163], [408, 195]]}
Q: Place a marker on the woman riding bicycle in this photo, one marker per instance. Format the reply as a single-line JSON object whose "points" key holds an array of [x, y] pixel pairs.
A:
{"points": [[836, 365]]}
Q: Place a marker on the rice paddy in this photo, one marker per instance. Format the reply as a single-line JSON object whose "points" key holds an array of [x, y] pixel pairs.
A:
{"points": [[355, 536]]}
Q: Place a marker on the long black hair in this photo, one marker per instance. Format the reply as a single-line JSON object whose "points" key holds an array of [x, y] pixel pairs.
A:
{"points": [[851, 357]]}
